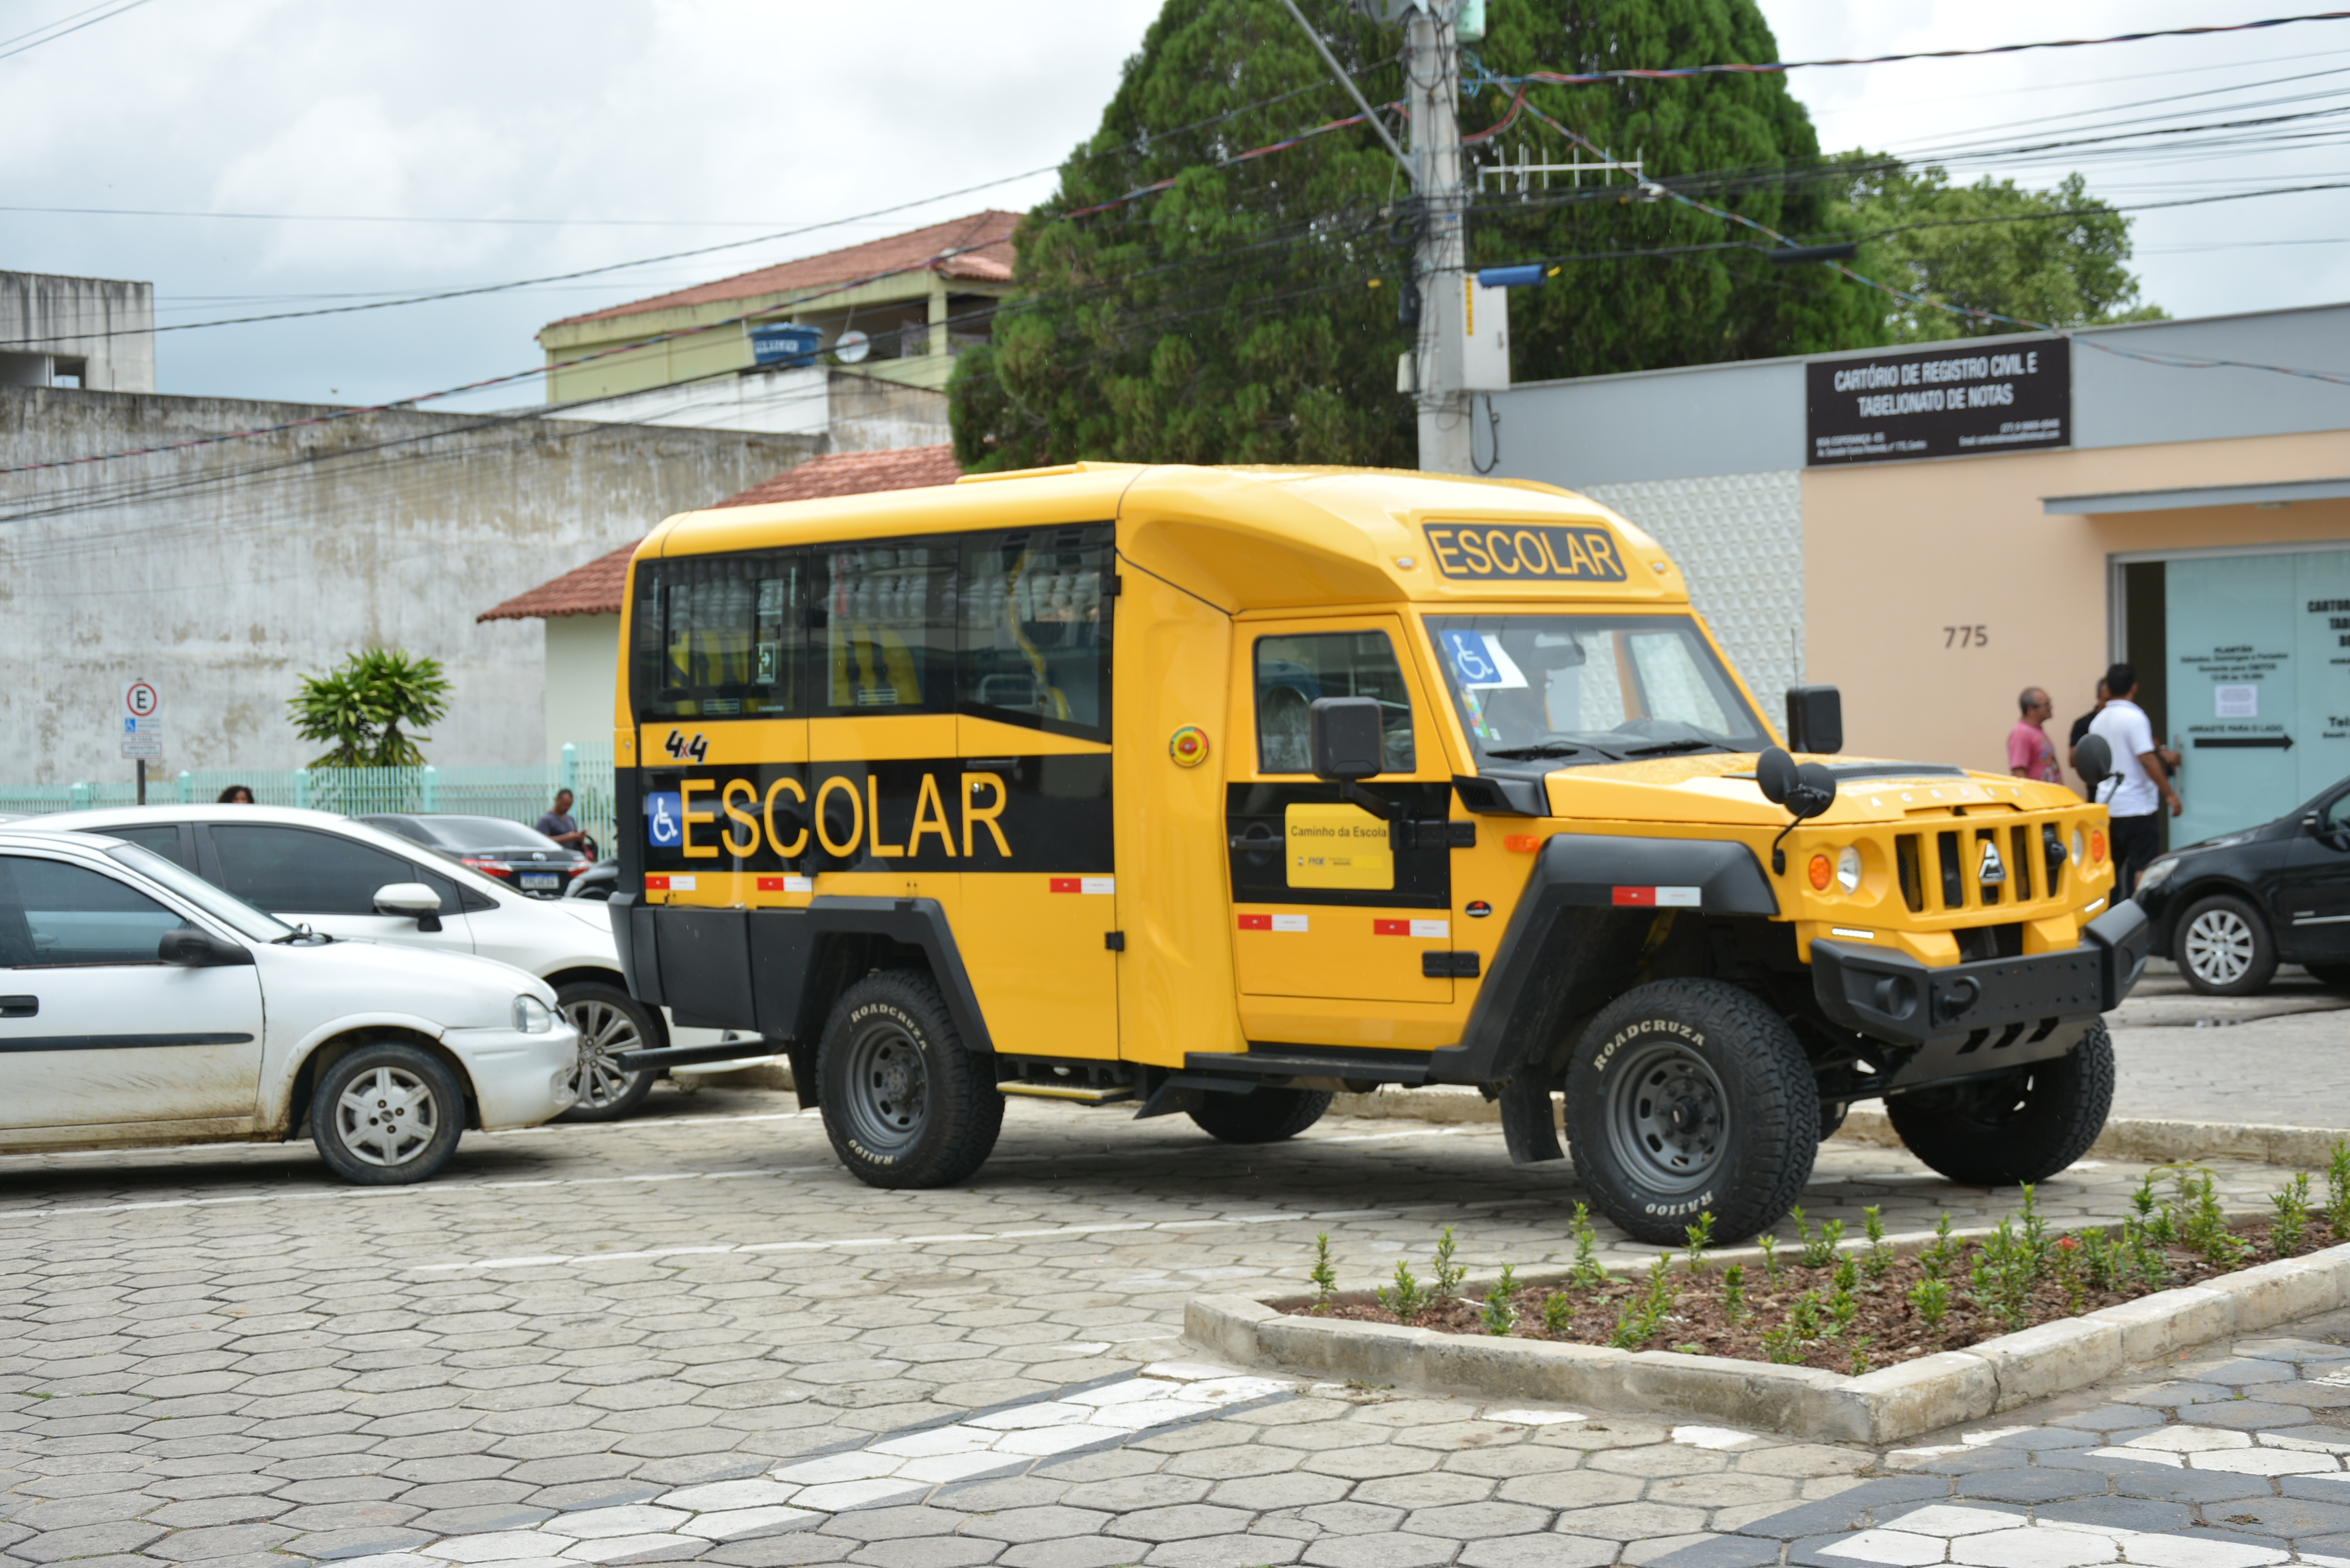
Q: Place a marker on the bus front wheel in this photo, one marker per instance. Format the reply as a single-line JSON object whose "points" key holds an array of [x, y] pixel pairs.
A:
{"points": [[904, 1103]]}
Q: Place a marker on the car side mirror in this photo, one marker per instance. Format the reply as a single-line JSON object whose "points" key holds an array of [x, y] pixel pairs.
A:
{"points": [[1347, 738], [1816, 720], [409, 899], [188, 947]]}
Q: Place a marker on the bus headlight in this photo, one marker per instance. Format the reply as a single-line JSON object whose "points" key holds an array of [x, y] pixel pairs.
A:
{"points": [[1847, 874], [2080, 845]]}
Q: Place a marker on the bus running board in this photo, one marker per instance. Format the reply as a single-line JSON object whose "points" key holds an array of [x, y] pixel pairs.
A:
{"points": [[1071, 1092]]}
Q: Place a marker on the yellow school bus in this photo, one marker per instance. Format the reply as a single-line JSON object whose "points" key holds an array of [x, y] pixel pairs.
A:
{"points": [[1216, 791]]}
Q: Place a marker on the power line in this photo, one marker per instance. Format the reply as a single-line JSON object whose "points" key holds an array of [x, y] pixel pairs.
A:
{"points": [[1664, 73], [58, 29]]}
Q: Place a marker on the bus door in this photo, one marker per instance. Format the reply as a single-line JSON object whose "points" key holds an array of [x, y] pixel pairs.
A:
{"points": [[1327, 905], [1039, 919]]}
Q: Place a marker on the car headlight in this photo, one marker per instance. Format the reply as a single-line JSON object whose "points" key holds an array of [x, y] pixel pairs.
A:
{"points": [[1848, 869], [2158, 873], [533, 1016], [2080, 845]]}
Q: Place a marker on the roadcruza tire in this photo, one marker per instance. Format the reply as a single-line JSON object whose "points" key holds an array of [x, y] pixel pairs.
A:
{"points": [[2019, 1126], [1688, 1096], [1261, 1115], [904, 1103]]}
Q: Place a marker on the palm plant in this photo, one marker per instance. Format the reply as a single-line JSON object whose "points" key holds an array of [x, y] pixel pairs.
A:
{"points": [[359, 709]]}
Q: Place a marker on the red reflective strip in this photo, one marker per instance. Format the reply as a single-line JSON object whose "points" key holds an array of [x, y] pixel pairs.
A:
{"points": [[1069, 884], [656, 884], [1256, 922], [1390, 928], [1642, 895], [771, 884]]}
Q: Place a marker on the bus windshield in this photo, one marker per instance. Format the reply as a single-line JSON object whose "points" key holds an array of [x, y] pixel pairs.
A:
{"points": [[1576, 689]]}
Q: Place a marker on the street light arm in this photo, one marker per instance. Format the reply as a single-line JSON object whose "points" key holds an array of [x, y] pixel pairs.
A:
{"points": [[1348, 82]]}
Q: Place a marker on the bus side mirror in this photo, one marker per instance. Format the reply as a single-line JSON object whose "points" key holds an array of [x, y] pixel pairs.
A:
{"points": [[1815, 720], [1347, 739]]}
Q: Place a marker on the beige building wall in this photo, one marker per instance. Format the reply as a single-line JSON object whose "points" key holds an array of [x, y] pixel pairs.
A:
{"points": [[1895, 554]]}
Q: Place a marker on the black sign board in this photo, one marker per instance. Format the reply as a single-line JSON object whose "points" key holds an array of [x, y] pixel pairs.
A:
{"points": [[1989, 396]]}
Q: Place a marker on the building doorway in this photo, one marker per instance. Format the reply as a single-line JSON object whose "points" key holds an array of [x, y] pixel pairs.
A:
{"points": [[2244, 661]]}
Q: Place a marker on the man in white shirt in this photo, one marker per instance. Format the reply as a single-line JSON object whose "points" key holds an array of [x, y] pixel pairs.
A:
{"points": [[2140, 785]]}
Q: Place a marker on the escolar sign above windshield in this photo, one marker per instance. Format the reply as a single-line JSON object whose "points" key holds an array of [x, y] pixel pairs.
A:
{"points": [[1497, 552]]}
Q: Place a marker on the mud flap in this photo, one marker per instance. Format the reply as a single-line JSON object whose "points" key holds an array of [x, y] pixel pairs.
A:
{"points": [[1529, 1124]]}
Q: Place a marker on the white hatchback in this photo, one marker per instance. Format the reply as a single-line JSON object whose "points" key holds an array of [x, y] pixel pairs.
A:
{"points": [[139, 1005], [348, 879]]}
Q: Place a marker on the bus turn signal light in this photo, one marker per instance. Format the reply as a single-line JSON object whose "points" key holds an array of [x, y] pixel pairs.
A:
{"points": [[1823, 871], [1522, 843]]}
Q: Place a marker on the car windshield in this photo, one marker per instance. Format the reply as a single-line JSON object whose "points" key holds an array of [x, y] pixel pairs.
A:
{"points": [[474, 832], [1575, 688], [229, 911]]}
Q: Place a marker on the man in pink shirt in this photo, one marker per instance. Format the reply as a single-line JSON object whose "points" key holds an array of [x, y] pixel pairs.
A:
{"points": [[2030, 753]]}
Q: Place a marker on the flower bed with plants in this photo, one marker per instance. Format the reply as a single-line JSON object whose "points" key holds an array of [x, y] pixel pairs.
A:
{"points": [[1842, 1307]]}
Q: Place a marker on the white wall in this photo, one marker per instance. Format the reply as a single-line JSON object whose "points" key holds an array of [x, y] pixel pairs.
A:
{"points": [[582, 661], [223, 573]]}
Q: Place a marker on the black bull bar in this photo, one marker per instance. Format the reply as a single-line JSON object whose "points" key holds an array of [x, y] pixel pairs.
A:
{"points": [[1961, 1020]]}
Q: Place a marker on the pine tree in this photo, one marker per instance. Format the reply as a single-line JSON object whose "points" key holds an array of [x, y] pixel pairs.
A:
{"points": [[1248, 314]]}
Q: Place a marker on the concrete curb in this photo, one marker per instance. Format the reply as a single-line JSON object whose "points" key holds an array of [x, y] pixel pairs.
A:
{"points": [[1921, 1396], [2124, 1138]]}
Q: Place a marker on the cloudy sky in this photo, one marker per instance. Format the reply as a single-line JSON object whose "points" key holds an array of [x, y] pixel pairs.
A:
{"points": [[516, 138]]}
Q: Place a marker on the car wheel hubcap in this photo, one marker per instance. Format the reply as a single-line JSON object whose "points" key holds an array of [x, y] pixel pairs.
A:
{"points": [[889, 1088], [1667, 1117], [387, 1116], [2220, 947], [604, 1031]]}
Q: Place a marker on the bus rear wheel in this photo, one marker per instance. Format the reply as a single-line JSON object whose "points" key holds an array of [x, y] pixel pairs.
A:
{"points": [[1261, 1115], [1688, 1098], [904, 1103]]}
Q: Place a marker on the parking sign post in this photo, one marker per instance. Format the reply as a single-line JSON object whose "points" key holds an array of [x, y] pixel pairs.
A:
{"points": [[142, 717]]}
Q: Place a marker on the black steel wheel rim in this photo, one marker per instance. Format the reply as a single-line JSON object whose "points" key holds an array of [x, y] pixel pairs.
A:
{"points": [[1668, 1117], [888, 1085]]}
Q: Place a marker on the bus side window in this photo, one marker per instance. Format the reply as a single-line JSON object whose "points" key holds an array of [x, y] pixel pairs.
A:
{"points": [[888, 628], [719, 636], [1035, 629], [1292, 671]]}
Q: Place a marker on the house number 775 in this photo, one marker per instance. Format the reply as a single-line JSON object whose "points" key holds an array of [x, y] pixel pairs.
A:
{"points": [[1966, 636]]}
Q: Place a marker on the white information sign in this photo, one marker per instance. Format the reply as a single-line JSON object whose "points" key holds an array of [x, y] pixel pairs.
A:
{"points": [[140, 720]]}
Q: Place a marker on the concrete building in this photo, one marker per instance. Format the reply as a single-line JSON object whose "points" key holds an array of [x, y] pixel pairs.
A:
{"points": [[94, 333], [222, 572], [885, 319], [580, 610], [1934, 529]]}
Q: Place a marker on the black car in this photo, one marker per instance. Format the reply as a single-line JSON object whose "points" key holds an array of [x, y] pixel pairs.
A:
{"points": [[598, 882], [2229, 909], [534, 863]]}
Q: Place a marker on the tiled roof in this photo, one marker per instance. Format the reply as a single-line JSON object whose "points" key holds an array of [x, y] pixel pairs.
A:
{"points": [[977, 248], [856, 473], [596, 587]]}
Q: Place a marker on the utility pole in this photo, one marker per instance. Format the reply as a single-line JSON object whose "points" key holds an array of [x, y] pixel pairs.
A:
{"points": [[1434, 371], [1440, 257]]}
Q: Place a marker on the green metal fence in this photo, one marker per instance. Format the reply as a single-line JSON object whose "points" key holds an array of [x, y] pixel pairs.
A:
{"points": [[516, 794]]}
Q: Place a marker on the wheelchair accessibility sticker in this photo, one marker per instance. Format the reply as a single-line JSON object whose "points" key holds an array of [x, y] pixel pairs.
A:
{"points": [[664, 819]]}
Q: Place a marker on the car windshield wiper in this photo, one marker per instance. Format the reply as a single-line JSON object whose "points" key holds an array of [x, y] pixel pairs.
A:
{"points": [[302, 934], [1545, 749], [1661, 747]]}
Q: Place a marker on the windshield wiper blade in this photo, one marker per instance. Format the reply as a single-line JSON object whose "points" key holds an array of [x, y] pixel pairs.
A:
{"points": [[1546, 749], [1661, 747]]}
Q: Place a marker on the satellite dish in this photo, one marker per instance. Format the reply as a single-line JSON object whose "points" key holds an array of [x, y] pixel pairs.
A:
{"points": [[851, 347]]}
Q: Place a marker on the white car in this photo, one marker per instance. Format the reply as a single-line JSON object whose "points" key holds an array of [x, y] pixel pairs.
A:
{"points": [[140, 1005], [351, 880]]}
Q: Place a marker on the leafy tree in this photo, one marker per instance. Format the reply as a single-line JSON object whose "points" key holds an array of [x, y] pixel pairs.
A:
{"points": [[1945, 242], [1230, 317], [361, 707]]}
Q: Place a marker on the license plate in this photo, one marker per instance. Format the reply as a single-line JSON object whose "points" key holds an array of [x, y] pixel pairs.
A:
{"points": [[541, 881]]}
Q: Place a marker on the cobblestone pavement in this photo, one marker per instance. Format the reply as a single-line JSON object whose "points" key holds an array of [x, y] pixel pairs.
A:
{"points": [[691, 1336], [2281, 1058]]}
